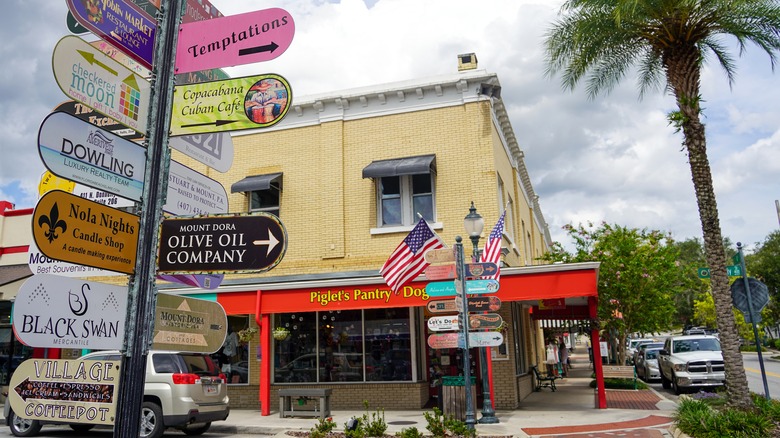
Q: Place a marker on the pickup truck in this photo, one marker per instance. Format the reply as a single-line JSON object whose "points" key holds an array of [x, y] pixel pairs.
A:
{"points": [[688, 362]]}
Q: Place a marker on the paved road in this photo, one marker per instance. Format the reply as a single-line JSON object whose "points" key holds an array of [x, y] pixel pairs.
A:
{"points": [[66, 432]]}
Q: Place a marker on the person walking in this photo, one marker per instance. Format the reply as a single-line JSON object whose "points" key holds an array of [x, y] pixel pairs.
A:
{"points": [[564, 355]]}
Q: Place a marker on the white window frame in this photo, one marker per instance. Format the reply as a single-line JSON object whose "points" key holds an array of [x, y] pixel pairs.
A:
{"points": [[408, 217]]}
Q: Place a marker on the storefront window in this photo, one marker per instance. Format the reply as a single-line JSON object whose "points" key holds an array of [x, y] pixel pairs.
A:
{"points": [[343, 346], [233, 356]]}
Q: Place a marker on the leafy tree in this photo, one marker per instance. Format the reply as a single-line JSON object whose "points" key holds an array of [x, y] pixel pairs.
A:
{"points": [[666, 41], [638, 276], [764, 264]]}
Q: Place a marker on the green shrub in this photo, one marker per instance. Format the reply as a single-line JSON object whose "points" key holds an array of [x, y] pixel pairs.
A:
{"points": [[435, 423], [357, 432], [458, 428], [322, 428], [700, 418], [411, 432], [620, 384]]}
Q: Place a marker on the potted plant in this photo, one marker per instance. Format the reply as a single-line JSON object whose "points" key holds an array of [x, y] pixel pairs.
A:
{"points": [[245, 335], [281, 333]]}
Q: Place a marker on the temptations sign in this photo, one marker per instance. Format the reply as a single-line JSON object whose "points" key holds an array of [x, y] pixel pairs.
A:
{"points": [[221, 243]]}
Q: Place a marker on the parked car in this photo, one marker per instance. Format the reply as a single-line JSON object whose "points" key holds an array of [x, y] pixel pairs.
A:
{"points": [[691, 362], [647, 364], [182, 390], [641, 347], [631, 348]]}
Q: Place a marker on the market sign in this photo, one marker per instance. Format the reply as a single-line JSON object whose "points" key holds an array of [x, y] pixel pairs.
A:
{"points": [[192, 193], [87, 75], [68, 391], [214, 149], [121, 23], [253, 242], [75, 150], [250, 102], [233, 40], [188, 324], [72, 229], [59, 312]]}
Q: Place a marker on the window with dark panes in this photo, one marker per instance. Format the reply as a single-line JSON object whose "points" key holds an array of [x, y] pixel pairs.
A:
{"points": [[264, 200]]}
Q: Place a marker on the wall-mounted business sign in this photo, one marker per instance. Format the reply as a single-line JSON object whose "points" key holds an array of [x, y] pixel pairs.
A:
{"points": [[69, 391], [75, 150], [188, 324], [58, 312], [234, 40], [91, 116], [192, 193], [72, 229], [121, 23], [214, 149], [40, 264], [250, 102], [221, 243], [88, 76]]}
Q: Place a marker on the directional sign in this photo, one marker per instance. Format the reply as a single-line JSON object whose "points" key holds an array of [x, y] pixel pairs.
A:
{"points": [[480, 269], [192, 193], [70, 391], [485, 321], [59, 312], [221, 243], [444, 255], [456, 340], [213, 149], [450, 288], [731, 270], [234, 40], [443, 323], [106, 123], [447, 272], [188, 324], [75, 150], [121, 23], [88, 76], [72, 229], [74, 26], [203, 281], [40, 264], [250, 102], [475, 304], [50, 181]]}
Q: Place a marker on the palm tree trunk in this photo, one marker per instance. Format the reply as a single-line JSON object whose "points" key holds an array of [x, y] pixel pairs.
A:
{"points": [[683, 73]]}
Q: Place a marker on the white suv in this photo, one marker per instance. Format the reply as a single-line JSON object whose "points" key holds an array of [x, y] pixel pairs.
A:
{"points": [[691, 362], [182, 390]]}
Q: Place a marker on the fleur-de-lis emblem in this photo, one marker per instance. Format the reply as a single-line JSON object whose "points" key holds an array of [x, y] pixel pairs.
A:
{"points": [[53, 222]]}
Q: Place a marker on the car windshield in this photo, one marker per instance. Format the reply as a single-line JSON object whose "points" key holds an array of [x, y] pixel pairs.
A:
{"points": [[651, 354], [686, 345]]}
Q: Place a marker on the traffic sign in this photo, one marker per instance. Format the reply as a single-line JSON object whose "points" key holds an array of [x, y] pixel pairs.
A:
{"points": [[188, 324], [233, 40], [450, 288], [73, 229], [192, 193], [732, 271], [123, 24], [250, 102], [106, 123], [253, 242], [87, 75], [75, 150], [214, 149], [456, 340], [759, 296], [443, 255], [69, 391], [475, 304], [59, 312]]}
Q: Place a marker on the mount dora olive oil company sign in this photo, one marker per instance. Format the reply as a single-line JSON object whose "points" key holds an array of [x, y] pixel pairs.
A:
{"points": [[51, 311], [76, 230]]}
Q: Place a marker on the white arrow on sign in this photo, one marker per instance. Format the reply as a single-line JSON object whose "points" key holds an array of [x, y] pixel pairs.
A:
{"points": [[271, 242]]}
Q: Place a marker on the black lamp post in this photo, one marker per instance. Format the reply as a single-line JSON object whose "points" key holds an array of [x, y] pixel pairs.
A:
{"points": [[474, 224]]}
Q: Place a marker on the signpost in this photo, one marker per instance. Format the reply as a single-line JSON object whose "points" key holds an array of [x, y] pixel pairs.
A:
{"points": [[72, 229], [87, 75], [69, 391], [214, 149], [250, 102], [192, 193], [475, 304], [75, 150], [123, 24], [732, 270], [188, 324], [455, 339], [59, 312], [221, 243], [450, 288], [234, 40]]}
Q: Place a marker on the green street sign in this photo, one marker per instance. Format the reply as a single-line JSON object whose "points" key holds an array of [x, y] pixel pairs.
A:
{"points": [[736, 259], [733, 271]]}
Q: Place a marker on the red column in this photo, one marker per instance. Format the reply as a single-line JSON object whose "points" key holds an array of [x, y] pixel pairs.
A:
{"points": [[264, 321], [596, 347]]}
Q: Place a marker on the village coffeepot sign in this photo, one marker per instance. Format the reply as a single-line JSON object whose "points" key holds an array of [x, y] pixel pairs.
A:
{"points": [[239, 243]]}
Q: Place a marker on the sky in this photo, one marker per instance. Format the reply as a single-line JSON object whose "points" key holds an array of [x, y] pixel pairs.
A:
{"points": [[612, 159]]}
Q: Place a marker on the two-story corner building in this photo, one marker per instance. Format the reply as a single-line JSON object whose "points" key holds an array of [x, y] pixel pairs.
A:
{"points": [[349, 173]]}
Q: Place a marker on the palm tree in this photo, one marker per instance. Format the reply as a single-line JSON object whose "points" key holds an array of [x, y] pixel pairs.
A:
{"points": [[602, 40]]}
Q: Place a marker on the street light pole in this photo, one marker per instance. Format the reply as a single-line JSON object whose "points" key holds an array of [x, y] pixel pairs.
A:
{"points": [[464, 317], [474, 225]]}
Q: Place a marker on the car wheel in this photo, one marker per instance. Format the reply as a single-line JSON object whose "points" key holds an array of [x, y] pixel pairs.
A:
{"points": [[23, 426], [675, 386], [81, 428], [665, 382], [196, 429], [151, 421]]}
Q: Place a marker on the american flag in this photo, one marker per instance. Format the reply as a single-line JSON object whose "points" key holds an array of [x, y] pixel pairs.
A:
{"points": [[492, 251], [407, 261]]}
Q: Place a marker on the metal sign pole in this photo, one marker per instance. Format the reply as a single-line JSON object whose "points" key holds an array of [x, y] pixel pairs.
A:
{"points": [[142, 297], [464, 316], [752, 318]]}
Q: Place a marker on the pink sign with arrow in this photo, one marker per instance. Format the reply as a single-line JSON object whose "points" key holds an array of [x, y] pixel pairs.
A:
{"points": [[234, 40]]}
